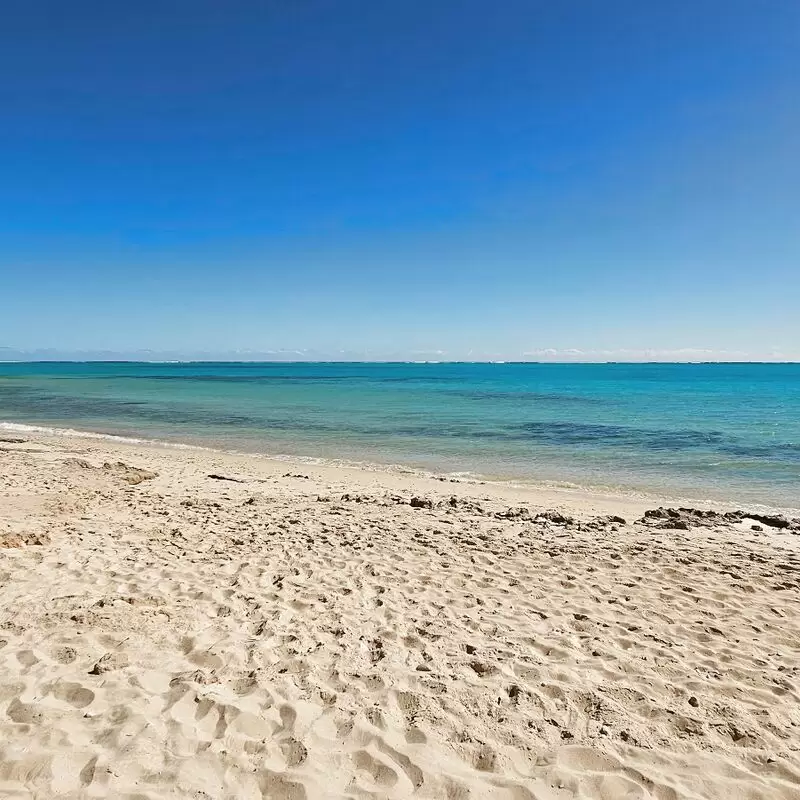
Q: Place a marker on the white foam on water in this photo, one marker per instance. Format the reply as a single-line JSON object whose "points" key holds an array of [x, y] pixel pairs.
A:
{"points": [[18, 427]]}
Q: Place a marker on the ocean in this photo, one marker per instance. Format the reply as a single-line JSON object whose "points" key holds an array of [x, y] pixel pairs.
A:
{"points": [[713, 432]]}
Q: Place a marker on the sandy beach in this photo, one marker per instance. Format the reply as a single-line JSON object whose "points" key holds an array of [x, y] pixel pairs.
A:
{"points": [[194, 624]]}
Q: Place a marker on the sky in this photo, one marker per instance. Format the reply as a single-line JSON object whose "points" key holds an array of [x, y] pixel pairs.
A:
{"points": [[518, 179]]}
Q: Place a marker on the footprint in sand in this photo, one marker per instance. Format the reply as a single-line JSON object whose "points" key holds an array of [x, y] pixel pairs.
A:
{"points": [[74, 694], [294, 752], [65, 655], [24, 713], [381, 773]]}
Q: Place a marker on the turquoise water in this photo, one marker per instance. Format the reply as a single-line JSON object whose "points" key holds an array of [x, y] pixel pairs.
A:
{"points": [[717, 431]]}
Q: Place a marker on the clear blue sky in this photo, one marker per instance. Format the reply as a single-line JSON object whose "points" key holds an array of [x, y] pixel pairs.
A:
{"points": [[484, 179]]}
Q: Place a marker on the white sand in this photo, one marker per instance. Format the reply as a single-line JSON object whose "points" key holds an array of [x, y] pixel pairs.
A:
{"points": [[190, 637]]}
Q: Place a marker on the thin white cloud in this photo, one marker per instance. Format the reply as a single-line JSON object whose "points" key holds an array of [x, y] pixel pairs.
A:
{"points": [[653, 354], [549, 354]]}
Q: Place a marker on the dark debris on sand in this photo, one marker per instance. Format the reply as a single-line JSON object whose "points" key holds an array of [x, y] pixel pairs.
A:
{"points": [[683, 518]]}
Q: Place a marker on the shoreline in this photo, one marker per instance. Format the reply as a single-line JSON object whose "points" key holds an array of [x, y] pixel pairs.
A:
{"points": [[574, 494]]}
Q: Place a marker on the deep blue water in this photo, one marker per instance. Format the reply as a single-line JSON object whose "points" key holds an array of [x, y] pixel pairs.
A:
{"points": [[722, 431]]}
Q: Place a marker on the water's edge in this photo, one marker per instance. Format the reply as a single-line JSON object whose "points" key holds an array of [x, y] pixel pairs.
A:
{"points": [[654, 497]]}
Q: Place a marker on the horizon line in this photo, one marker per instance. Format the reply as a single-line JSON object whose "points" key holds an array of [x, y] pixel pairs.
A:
{"points": [[421, 362]]}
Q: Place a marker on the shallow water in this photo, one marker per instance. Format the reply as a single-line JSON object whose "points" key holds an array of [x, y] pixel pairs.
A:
{"points": [[707, 431]]}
